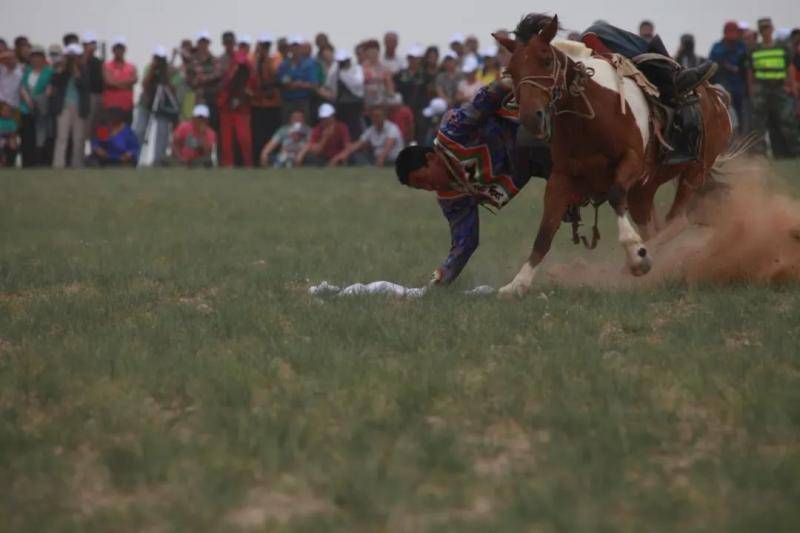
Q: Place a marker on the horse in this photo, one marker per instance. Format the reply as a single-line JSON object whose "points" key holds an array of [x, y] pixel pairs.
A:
{"points": [[602, 146]]}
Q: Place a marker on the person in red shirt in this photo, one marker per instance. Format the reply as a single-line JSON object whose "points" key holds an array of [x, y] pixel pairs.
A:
{"points": [[328, 138], [119, 77], [238, 86], [193, 140], [403, 116]]}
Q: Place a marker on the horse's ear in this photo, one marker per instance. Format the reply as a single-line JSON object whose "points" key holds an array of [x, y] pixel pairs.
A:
{"points": [[505, 42], [549, 31]]}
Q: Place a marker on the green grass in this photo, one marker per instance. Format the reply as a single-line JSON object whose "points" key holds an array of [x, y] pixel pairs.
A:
{"points": [[163, 369]]}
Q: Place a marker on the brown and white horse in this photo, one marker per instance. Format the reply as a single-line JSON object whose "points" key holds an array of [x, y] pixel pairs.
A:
{"points": [[599, 150]]}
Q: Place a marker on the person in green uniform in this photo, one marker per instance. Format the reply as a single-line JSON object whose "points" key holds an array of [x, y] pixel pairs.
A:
{"points": [[774, 89]]}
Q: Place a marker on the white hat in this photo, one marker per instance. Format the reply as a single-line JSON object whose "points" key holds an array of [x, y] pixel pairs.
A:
{"points": [[73, 49], [437, 107], [160, 51], [296, 39], [449, 55], [89, 37], [118, 40], [297, 127], [266, 37], [326, 110], [782, 34], [470, 65], [415, 50], [246, 39], [457, 37], [490, 50], [201, 110], [342, 55], [203, 35], [744, 25]]}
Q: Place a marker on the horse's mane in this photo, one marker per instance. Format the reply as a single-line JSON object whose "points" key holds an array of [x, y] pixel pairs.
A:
{"points": [[531, 25]]}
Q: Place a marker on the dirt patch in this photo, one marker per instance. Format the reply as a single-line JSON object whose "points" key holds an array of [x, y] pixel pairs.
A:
{"points": [[750, 233], [265, 506]]}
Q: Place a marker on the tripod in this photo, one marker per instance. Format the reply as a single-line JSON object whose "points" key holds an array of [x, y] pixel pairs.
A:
{"points": [[164, 102]]}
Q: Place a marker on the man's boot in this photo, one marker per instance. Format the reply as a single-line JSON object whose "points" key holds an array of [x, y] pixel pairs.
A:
{"points": [[689, 79]]}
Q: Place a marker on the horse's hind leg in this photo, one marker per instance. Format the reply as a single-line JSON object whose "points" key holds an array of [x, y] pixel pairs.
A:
{"points": [[628, 172], [556, 199]]}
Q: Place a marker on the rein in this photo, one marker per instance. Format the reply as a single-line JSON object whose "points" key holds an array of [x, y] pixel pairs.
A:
{"points": [[558, 86]]}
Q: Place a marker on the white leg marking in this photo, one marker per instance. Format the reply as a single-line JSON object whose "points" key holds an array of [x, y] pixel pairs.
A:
{"points": [[637, 256], [522, 282]]}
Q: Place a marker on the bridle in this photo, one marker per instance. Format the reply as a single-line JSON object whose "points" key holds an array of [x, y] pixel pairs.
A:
{"points": [[558, 87]]}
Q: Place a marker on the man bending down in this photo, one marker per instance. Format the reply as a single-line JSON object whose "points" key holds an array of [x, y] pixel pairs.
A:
{"points": [[481, 156]]}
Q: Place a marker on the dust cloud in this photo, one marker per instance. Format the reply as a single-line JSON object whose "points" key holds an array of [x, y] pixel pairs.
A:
{"points": [[747, 231]]}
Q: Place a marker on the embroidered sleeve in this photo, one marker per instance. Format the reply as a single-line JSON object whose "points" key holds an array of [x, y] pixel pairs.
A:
{"points": [[462, 124]]}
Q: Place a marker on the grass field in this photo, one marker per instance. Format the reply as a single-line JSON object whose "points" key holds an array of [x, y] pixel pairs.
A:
{"points": [[162, 368]]}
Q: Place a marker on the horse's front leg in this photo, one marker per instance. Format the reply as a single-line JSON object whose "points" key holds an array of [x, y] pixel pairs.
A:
{"points": [[556, 200], [637, 256]]}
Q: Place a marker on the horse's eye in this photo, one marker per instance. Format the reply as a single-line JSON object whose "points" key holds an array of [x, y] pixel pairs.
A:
{"points": [[548, 63]]}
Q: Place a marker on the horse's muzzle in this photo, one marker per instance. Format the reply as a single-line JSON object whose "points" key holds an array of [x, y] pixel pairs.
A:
{"points": [[537, 123]]}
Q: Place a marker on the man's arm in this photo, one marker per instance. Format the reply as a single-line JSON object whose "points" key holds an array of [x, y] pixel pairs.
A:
{"points": [[462, 215], [347, 152]]}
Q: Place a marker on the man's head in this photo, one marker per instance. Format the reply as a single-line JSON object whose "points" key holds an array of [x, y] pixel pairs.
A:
{"points": [[22, 47], [245, 44], [457, 44], [203, 42], [687, 43], [766, 29], [327, 114], [264, 43], [89, 42], [38, 58], [5, 110], [378, 117], [390, 42], [200, 116], [322, 41], [471, 45], [229, 42], [297, 117], [118, 48], [647, 30], [3, 45], [372, 50], [450, 62], [421, 167], [731, 31], [70, 38]]}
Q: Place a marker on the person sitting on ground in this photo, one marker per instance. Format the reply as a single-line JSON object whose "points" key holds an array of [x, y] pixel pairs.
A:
{"points": [[9, 137], [115, 144], [193, 140], [282, 136], [328, 138], [292, 147], [379, 145]]}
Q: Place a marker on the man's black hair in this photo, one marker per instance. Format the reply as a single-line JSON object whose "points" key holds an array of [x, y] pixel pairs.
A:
{"points": [[70, 38], [228, 35], [411, 159], [646, 23], [3, 42], [532, 25], [19, 41]]}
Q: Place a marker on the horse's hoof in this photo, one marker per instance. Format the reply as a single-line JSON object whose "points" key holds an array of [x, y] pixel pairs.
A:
{"points": [[644, 266], [511, 291]]}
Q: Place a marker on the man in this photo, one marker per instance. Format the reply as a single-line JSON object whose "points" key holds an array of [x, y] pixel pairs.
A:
{"points": [[379, 145], [412, 84], [94, 76], [11, 72], [328, 138], [229, 47], [731, 55], [344, 86], [238, 86], [647, 30], [203, 76], [283, 140], [298, 78], [457, 45], [477, 160], [115, 144], [266, 100], [120, 77], [70, 106], [774, 88], [22, 49], [193, 140], [391, 60]]}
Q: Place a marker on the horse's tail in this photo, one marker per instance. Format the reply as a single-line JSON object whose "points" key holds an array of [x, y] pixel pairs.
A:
{"points": [[737, 148]]}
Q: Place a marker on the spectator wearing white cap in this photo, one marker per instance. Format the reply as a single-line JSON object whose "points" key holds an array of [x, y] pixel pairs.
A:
{"points": [[94, 75], [448, 79], [471, 45], [203, 76], [328, 138], [490, 71], [391, 59], [70, 105], [379, 145], [120, 78], [298, 78], [266, 115], [193, 140], [457, 45], [344, 87], [284, 142], [245, 44], [469, 85], [412, 83], [158, 108], [433, 114]]}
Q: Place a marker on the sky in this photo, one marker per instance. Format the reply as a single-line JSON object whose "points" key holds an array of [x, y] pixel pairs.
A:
{"points": [[147, 23]]}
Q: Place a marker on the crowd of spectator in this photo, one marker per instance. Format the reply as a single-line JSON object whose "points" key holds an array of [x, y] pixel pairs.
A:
{"points": [[288, 102]]}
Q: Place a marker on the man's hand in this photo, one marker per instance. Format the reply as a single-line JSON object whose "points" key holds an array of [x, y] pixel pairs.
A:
{"points": [[101, 153]]}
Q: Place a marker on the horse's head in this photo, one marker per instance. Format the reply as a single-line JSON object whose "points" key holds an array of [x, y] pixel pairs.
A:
{"points": [[536, 70]]}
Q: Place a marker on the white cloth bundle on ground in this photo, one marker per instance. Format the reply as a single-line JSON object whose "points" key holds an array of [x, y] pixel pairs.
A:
{"points": [[326, 290]]}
